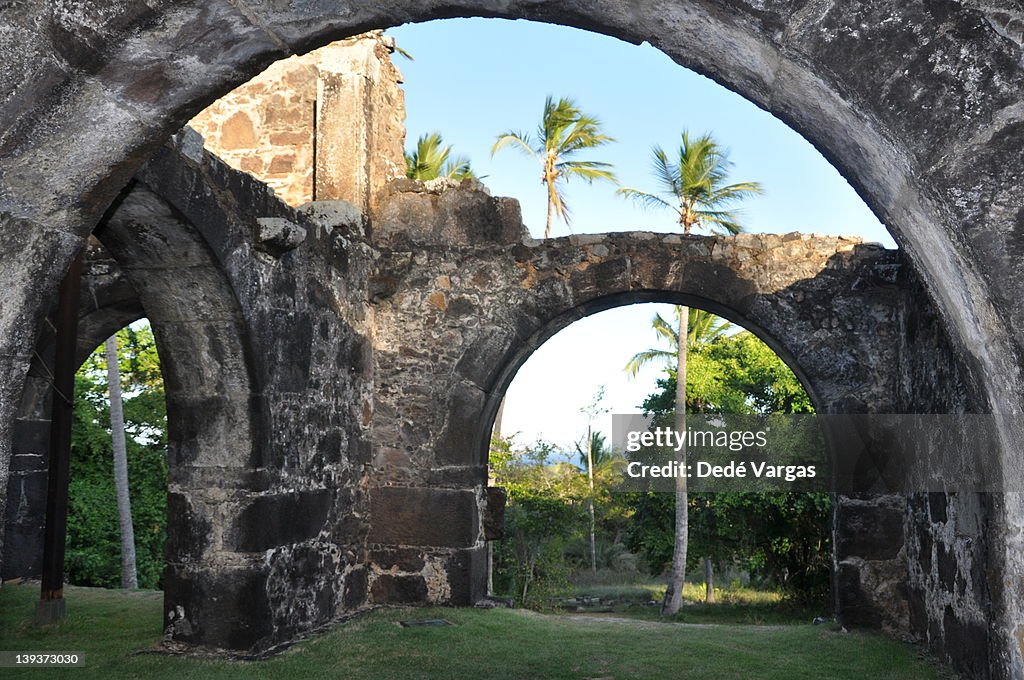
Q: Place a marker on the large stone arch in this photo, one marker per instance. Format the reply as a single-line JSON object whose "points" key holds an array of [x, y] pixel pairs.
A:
{"points": [[373, 359], [263, 509], [819, 69], [917, 103], [149, 261], [249, 506], [212, 426], [460, 297]]}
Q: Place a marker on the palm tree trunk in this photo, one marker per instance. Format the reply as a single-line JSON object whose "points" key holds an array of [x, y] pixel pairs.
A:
{"points": [[709, 588], [124, 503], [674, 592], [551, 210], [590, 475]]}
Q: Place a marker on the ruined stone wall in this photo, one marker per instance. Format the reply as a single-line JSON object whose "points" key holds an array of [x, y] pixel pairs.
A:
{"points": [[462, 296], [267, 127], [928, 131], [266, 427], [327, 125], [951, 545], [330, 393]]}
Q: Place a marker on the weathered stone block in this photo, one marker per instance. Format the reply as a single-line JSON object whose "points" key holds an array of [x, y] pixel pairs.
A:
{"points": [[871, 532], [188, 530], [467, 576], [459, 443], [444, 214], [355, 588], [277, 235], [281, 519], [222, 606], [392, 589], [402, 559], [494, 513], [423, 517], [967, 641]]}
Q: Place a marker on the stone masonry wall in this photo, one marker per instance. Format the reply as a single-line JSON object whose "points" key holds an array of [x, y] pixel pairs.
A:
{"points": [[327, 125], [916, 102], [330, 393]]}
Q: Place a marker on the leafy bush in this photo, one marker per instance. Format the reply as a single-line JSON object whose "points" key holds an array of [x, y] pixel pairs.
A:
{"points": [[546, 509]]}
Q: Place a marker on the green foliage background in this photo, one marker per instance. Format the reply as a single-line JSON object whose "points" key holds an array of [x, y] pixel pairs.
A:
{"points": [[781, 537], [93, 542]]}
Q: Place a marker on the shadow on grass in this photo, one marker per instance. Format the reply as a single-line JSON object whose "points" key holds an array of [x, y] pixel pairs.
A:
{"points": [[740, 606]]}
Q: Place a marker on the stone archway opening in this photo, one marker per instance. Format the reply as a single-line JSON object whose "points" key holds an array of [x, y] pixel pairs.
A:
{"points": [[95, 545], [544, 426]]}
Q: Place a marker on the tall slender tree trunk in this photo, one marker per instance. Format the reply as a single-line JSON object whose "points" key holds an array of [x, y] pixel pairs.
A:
{"points": [[674, 592], [709, 585], [129, 578], [551, 210], [590, 476]]}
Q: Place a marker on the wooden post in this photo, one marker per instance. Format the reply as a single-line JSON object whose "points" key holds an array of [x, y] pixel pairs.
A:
{"points": [[51, 606]]}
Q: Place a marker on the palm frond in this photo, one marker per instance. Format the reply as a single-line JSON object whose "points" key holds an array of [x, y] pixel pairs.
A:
{"points": [[666, 173], [665, 330], [428, 158], [459, 168], [734, 192], [703, 327], [719, 224], [561, 209], [587, 170], [641, 359], [517, 140], [645, 199]]}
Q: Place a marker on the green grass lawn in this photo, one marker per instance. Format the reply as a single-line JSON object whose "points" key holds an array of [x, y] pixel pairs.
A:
{"points": [[109, 626]]}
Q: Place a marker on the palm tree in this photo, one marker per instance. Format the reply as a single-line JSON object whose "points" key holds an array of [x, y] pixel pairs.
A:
{"points": [[601, 456], [599, 460], [695, 188], [431, 159], [129, 578], [563, 132], [591, 411], [702, 328]]}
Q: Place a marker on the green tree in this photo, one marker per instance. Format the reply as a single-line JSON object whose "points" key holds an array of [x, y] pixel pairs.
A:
{"points": [[591, 411], [432, 159], [93, 542], [780, 535], [703, 329], [695, 188], [564, 131]]}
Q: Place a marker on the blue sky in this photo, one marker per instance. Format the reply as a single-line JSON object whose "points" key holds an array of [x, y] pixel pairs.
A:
{"points": [[472, 79]]}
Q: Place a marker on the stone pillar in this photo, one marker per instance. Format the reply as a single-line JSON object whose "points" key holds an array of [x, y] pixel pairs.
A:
{"points": [[360, 134], [329, 125]]}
